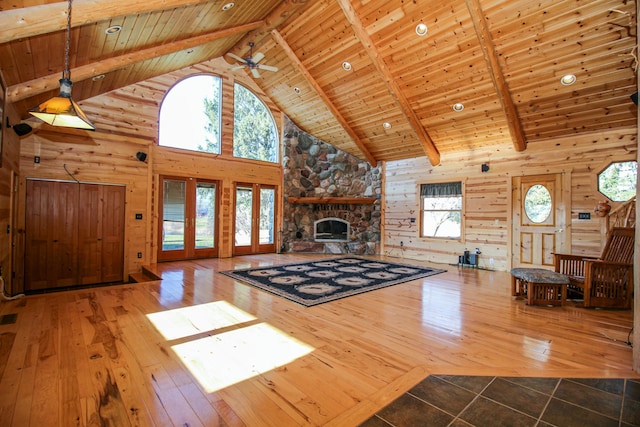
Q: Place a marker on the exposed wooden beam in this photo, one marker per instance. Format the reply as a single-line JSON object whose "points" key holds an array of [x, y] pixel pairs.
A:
{"points": [[356, 24], [43, 84], [316, 87], [276, 17], [499, 82], [47, 18]]}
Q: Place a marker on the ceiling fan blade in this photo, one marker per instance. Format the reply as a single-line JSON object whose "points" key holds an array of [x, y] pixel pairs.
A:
{"points": [[236, 57], [267, 67], [258, 57], [255, 73], [237, 67]]}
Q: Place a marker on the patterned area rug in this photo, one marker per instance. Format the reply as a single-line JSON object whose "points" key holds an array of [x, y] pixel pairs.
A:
{"points": [[317, 282]]}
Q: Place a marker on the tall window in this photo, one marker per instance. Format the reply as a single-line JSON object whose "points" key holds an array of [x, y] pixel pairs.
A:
{"points": [[255, 135], [441, 210], [190, 116]]}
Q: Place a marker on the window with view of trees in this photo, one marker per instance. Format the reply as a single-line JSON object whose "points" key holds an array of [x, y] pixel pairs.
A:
{"points": [[190, 116], [441, 210], [255, 135], [618, 181]]}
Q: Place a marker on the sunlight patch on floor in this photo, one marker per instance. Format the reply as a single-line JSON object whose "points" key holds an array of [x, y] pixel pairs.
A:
{"points": [[230, 357], [187, 321]]}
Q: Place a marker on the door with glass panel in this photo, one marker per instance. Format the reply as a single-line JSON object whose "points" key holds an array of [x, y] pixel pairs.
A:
{"points": [[187, 218], [539, 220], [255, 214]]}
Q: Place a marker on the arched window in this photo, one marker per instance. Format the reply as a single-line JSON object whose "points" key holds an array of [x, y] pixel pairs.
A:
{"points": [[190, 116], [255, 135]]}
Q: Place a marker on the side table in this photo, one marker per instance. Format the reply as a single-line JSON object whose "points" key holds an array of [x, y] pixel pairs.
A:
{"points": [[542, 287]]}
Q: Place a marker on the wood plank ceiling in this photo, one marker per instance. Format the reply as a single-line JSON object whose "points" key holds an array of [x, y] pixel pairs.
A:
{"points": [[502, 59]]}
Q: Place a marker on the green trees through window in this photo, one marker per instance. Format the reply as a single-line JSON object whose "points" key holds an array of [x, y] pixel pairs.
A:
{"points": [[190, 119], [255, 134], [190, 116]]}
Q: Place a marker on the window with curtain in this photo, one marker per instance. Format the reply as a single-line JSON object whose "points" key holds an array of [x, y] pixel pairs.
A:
{"points": [[441, 210]]}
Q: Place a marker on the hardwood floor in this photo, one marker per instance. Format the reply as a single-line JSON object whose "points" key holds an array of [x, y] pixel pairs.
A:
{"points": [[199, 349]]}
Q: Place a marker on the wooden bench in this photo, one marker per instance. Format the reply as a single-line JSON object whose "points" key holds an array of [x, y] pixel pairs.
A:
{"points": [[542, 287]]}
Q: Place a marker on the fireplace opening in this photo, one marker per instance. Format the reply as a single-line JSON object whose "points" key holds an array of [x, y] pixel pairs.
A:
{"points": [[331, 230]]}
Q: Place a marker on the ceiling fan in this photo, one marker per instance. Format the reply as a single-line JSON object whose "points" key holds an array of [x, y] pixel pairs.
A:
{"points": [[251, 62]]}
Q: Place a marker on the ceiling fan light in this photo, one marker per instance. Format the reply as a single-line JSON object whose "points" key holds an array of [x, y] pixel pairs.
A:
{"points": [[422, 29], [62, 110]]}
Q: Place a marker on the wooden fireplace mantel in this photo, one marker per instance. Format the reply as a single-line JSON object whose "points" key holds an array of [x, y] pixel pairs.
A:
{"points": [[333, 200]]}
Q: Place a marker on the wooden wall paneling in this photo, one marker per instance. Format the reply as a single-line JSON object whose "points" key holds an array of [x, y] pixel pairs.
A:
{"points": [[488, 195], [110, 159]]}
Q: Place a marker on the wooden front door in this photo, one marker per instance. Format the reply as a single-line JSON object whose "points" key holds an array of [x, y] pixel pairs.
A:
{"points": [[74, 234], [539, 220], [254, 219], [188, 218]]}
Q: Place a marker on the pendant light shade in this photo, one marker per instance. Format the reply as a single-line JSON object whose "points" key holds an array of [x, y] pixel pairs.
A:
{"points": [[61, 110]]}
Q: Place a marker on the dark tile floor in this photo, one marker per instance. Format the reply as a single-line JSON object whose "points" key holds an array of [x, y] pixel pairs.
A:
{"points": [[441, 400]]}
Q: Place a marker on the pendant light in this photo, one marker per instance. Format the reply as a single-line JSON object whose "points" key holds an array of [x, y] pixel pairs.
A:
{"points": [[62, 110]]}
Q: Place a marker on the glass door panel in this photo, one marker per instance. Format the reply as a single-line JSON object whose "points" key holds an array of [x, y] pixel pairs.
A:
{"points": [[244, 214], [267, 215], [205, 215], [173, 215]]}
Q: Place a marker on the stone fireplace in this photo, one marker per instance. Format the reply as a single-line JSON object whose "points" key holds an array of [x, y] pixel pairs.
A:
{"points": [[323, 184]]}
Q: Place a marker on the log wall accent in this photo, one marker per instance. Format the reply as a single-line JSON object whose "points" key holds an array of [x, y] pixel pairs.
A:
{"points": [[487, 222]]}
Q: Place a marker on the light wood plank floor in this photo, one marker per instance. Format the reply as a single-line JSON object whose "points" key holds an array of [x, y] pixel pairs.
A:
{"points": [[200, 349]]}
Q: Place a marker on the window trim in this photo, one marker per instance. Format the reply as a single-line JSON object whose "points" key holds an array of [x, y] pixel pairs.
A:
{"points": [[421, 227]]}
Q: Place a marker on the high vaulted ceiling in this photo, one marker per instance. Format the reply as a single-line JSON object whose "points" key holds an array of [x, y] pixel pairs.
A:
{"points": [[502, 59]]}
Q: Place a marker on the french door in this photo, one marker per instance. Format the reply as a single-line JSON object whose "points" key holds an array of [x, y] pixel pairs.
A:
{"points": [[187, 221], [255, 214]]}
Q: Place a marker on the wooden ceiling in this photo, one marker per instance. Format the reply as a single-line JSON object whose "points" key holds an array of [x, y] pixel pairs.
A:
{"points": [[502, 59]]}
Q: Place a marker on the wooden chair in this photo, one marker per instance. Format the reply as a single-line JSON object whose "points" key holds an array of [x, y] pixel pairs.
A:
{"points": [[605, 281]]}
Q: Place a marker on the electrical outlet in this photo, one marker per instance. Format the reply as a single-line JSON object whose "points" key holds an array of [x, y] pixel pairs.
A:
{"points": [[401, 243], [139, 254]]}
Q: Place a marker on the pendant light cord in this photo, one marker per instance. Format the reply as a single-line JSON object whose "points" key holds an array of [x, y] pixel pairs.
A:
{"points": [[66, 73]]}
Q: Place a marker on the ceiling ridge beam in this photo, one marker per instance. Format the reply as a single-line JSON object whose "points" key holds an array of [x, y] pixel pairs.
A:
{"points": [[497, 76], [40, 85], [423, 136], [274, 19], [47, 18], [316, 87]]}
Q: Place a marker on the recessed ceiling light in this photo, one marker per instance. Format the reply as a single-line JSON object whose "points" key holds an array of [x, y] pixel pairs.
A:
{"points": [[114, 29], [421, 29], [98, 77], [386, 125], [190, 50], [228, 6], [346, 66], [457, 107], [297, 90], [568, 79]]}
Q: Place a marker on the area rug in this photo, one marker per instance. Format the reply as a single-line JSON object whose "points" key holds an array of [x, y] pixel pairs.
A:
{"points": [[317, 282]]}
